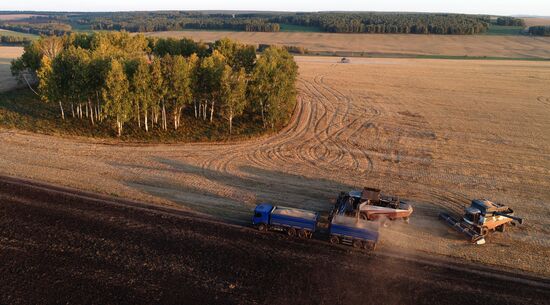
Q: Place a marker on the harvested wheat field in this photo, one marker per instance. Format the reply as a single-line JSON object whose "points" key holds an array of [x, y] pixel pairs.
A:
{"points": [[436, 45], [436, 132], [7, 54], [12, 17], [532, 21]]}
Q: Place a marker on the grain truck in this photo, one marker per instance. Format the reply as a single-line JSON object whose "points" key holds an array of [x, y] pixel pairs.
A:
{"points": [[294, 222]]}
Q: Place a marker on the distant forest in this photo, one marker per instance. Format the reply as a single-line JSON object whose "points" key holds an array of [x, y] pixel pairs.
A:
{"points": [[405, 23]]}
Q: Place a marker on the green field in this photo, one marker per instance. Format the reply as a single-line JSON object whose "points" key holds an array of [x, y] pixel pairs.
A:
{"points": [[17, 34], [504, 30]]}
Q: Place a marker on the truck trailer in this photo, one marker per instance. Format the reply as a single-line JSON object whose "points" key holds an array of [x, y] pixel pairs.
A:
{"points": [[353, 231], [294, 222]]}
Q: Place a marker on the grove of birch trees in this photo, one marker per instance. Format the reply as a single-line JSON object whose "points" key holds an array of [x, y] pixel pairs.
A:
{"points": [[115, 78]]}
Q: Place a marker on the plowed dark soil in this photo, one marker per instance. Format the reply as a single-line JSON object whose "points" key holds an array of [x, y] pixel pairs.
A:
{"points": [[68, 247]]}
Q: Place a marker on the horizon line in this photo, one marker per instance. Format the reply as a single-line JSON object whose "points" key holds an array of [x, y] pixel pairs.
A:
{"points": [[270, 11]]}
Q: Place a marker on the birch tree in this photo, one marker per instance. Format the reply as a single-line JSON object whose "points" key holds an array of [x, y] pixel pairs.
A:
{"points": [[233, 94], [115, 93]]}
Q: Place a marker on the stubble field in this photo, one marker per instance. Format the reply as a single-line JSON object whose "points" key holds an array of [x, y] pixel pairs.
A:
{"points": [[532, 21], [396, 44], [7, 54], [436, 132]]}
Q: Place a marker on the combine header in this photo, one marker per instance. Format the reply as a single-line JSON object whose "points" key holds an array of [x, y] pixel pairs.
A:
{"points": [[480, 218]]}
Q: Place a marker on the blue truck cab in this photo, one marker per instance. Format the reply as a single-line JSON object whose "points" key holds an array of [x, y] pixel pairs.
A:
{"points": [[290, 220]]}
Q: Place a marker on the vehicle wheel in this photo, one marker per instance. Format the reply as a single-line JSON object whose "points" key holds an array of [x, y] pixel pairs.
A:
{"points": [[302, 234], [372, 245], [262, 227], [357, 244], [291, 232], [334, 239], [501, 228], [406, 220], [484, 231], [364, 216]]}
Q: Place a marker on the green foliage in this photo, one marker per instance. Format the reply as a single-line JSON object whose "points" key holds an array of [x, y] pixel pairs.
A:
{"points": [[233, 94], [338, 22], [273, 86], [115, 94], [540, 30], [14, 40], [185, 47], [237, 55], [121, 79], [406, 23], [510, 21], [38, 25]]}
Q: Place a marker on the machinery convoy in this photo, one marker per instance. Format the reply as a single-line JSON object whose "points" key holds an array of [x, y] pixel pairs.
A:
{"points": [[357, 215]]}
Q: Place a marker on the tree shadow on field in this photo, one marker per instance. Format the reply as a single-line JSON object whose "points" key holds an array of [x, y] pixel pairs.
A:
{"points": [[233, 196]]}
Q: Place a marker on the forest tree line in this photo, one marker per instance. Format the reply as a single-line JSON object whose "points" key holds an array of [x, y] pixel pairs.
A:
{"points": [[115, 78], [510, 21], [420, 23], [47, 29], [14, 40], [375, 22], [540, 30]]}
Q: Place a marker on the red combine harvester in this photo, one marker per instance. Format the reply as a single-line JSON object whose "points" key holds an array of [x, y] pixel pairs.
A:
{"points": [[371, 205]]}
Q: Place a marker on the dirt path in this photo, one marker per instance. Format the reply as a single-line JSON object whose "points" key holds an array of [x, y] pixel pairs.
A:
{"points": [[436, 132], [65, 246]]}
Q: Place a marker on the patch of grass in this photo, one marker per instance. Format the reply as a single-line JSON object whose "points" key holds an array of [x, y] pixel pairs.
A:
{"points": [[503, 30], [80, 27], [17, 34], [298, 28], [22, 109]]}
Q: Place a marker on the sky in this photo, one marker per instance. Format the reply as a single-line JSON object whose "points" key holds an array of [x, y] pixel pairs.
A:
{"points": [[495, 7]]}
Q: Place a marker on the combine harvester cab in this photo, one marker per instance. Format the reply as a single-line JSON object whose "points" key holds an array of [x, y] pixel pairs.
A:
{"points": [[356, 232], [294, 222], [481, 218]]}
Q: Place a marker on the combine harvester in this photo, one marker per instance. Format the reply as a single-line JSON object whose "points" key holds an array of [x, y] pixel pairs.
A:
{"points": [[481, 218], [371, 205]]}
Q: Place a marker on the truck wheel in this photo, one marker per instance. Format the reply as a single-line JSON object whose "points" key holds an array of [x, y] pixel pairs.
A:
{"points": [[334, 239], [357, 244], [372, 245], [484, 231], [501, 228], [291, 232], [302, 234], [262, 227]]}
